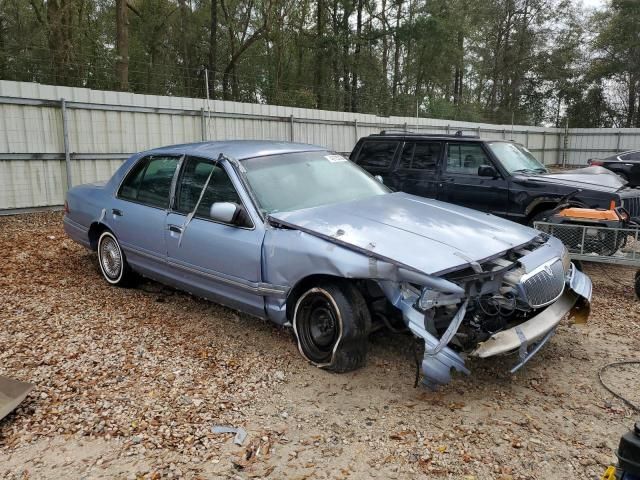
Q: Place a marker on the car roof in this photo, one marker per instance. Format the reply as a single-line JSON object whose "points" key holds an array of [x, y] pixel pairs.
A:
{"points": [[237, 149]]}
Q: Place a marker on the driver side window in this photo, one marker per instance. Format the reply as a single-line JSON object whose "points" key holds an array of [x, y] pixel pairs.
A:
{"points": [[193, 178], [465, 158]]}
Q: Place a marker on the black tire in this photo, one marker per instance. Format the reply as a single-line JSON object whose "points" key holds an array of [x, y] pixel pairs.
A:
{"points": [[332, 322], [112, 261], [637, 284], [539, 217]]}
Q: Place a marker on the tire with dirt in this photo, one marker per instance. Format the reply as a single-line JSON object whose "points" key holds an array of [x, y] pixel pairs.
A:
{"points": [[637, 284], [332, 322], [113, 263]]}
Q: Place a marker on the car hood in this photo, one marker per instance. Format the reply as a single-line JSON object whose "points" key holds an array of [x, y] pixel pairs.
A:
{"points": [[593, 178], [424, 235]]}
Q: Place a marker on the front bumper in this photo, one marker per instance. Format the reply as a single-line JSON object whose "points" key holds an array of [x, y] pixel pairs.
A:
{"points": [[526, 338]]}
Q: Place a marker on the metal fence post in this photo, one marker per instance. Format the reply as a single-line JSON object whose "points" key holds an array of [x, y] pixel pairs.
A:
{"points": [[291, 121], [478, 130], [355, 129], [526, 139], [544, 144], [65, 140], [203, 127], [618, 144], [565, 145]]}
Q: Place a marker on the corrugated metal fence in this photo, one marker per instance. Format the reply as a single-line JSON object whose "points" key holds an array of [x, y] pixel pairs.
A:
{"points": [[51, 136]]}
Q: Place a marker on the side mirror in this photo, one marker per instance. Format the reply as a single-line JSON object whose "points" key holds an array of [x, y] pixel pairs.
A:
{"points": [[487, 171], [379, 178], [224, 212]]}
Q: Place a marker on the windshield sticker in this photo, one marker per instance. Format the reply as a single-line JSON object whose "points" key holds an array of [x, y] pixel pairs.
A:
{"points": [[335, 158]]}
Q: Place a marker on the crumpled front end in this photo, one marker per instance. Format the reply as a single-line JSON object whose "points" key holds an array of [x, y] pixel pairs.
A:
{"points": [[509, 304]]}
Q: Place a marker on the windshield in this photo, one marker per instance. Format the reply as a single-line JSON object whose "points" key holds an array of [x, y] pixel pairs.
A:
{"points": [[293, 181], [515, 158]]}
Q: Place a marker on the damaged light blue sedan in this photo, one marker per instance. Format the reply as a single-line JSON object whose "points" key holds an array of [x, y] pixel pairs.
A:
{"points": [[303, 237]]}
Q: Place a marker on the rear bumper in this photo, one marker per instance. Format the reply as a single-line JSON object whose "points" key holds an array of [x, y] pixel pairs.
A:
{"points": [[76, 232]]}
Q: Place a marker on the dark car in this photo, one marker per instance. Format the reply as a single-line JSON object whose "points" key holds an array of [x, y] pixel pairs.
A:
{"points": [[625, 164], [495, 176]]}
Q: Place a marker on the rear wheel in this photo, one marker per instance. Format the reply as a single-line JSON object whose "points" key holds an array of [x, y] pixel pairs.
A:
{"points": [[331, 322], [113, 263]]}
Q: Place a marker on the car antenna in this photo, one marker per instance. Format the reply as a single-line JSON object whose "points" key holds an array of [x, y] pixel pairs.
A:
{"points": [[195, 208]]}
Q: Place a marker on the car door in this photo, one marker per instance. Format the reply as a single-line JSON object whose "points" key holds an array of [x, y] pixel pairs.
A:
{"points": [[377, 158], [417, 168], [216, 260], [138, 214], [461, 184]]}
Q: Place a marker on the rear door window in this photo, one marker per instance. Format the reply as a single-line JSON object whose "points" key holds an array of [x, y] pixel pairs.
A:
{"points": [[420, 156], [149, 182], [465, 158], [377, 154]]}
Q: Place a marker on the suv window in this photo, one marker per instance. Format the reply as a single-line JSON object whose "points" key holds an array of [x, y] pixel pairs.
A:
{"points": [[420, 156], [377, 154], [465, 158], [193, 177], [149, 182], [630, 156]]}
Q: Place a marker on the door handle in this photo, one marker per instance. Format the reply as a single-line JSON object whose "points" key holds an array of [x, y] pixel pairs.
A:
{"points": [[116, 212], [175, 229]]}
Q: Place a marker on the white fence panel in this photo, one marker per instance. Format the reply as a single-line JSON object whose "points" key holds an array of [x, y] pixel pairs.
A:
{"points": [[105, 127]]}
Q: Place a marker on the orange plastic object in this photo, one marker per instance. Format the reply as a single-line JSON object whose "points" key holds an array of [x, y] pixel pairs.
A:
{"points": [[589, 213]]}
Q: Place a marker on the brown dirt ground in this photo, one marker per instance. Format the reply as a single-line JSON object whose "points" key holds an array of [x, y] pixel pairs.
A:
{"points": [[129, 383]]}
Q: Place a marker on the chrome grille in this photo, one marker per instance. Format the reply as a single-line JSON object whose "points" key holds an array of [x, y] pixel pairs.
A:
{"points": [[544, 285], [632, 205]]}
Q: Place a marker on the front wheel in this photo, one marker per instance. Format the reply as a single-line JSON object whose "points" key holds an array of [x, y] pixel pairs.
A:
{"points": [[113, 263], [331, 322]]}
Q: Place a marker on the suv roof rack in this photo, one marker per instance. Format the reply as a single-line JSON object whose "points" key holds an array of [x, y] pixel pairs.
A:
{"points": [[458, 134]]}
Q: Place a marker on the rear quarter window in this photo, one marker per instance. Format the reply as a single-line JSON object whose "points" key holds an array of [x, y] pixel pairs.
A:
{"points": [[376, 154]]}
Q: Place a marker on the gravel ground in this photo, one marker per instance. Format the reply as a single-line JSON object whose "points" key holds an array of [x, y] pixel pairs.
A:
{"points": [[129, 383]]}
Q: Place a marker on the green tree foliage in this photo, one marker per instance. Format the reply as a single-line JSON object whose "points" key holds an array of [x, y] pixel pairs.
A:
{"points": [[526, 61]]}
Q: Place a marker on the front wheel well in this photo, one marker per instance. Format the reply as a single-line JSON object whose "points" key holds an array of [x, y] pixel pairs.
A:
{"points": [[548, 205], [305, 284], [95, 230]]}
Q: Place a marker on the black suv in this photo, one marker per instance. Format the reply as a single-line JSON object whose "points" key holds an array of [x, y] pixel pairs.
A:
{"points": [[500, 177]]}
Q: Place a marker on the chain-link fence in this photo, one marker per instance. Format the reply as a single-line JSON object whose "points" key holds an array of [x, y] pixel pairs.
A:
{"points": [[597, 243]]}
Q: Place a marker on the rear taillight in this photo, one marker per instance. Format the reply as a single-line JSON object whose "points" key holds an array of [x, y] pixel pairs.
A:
{"points": [[596, 163], [66, 207]]}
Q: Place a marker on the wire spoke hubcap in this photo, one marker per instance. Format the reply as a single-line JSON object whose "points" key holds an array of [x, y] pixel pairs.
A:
{"points": [[110, 258]]}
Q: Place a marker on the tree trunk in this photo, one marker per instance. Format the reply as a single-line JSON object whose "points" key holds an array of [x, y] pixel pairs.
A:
{"points": [[346, 33], [213, 48], [356, 58], [122, 45], [184, 44], [459, 71], [57, 10], [396, 60], [631, 104], [319, 60], [2, 52]]}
